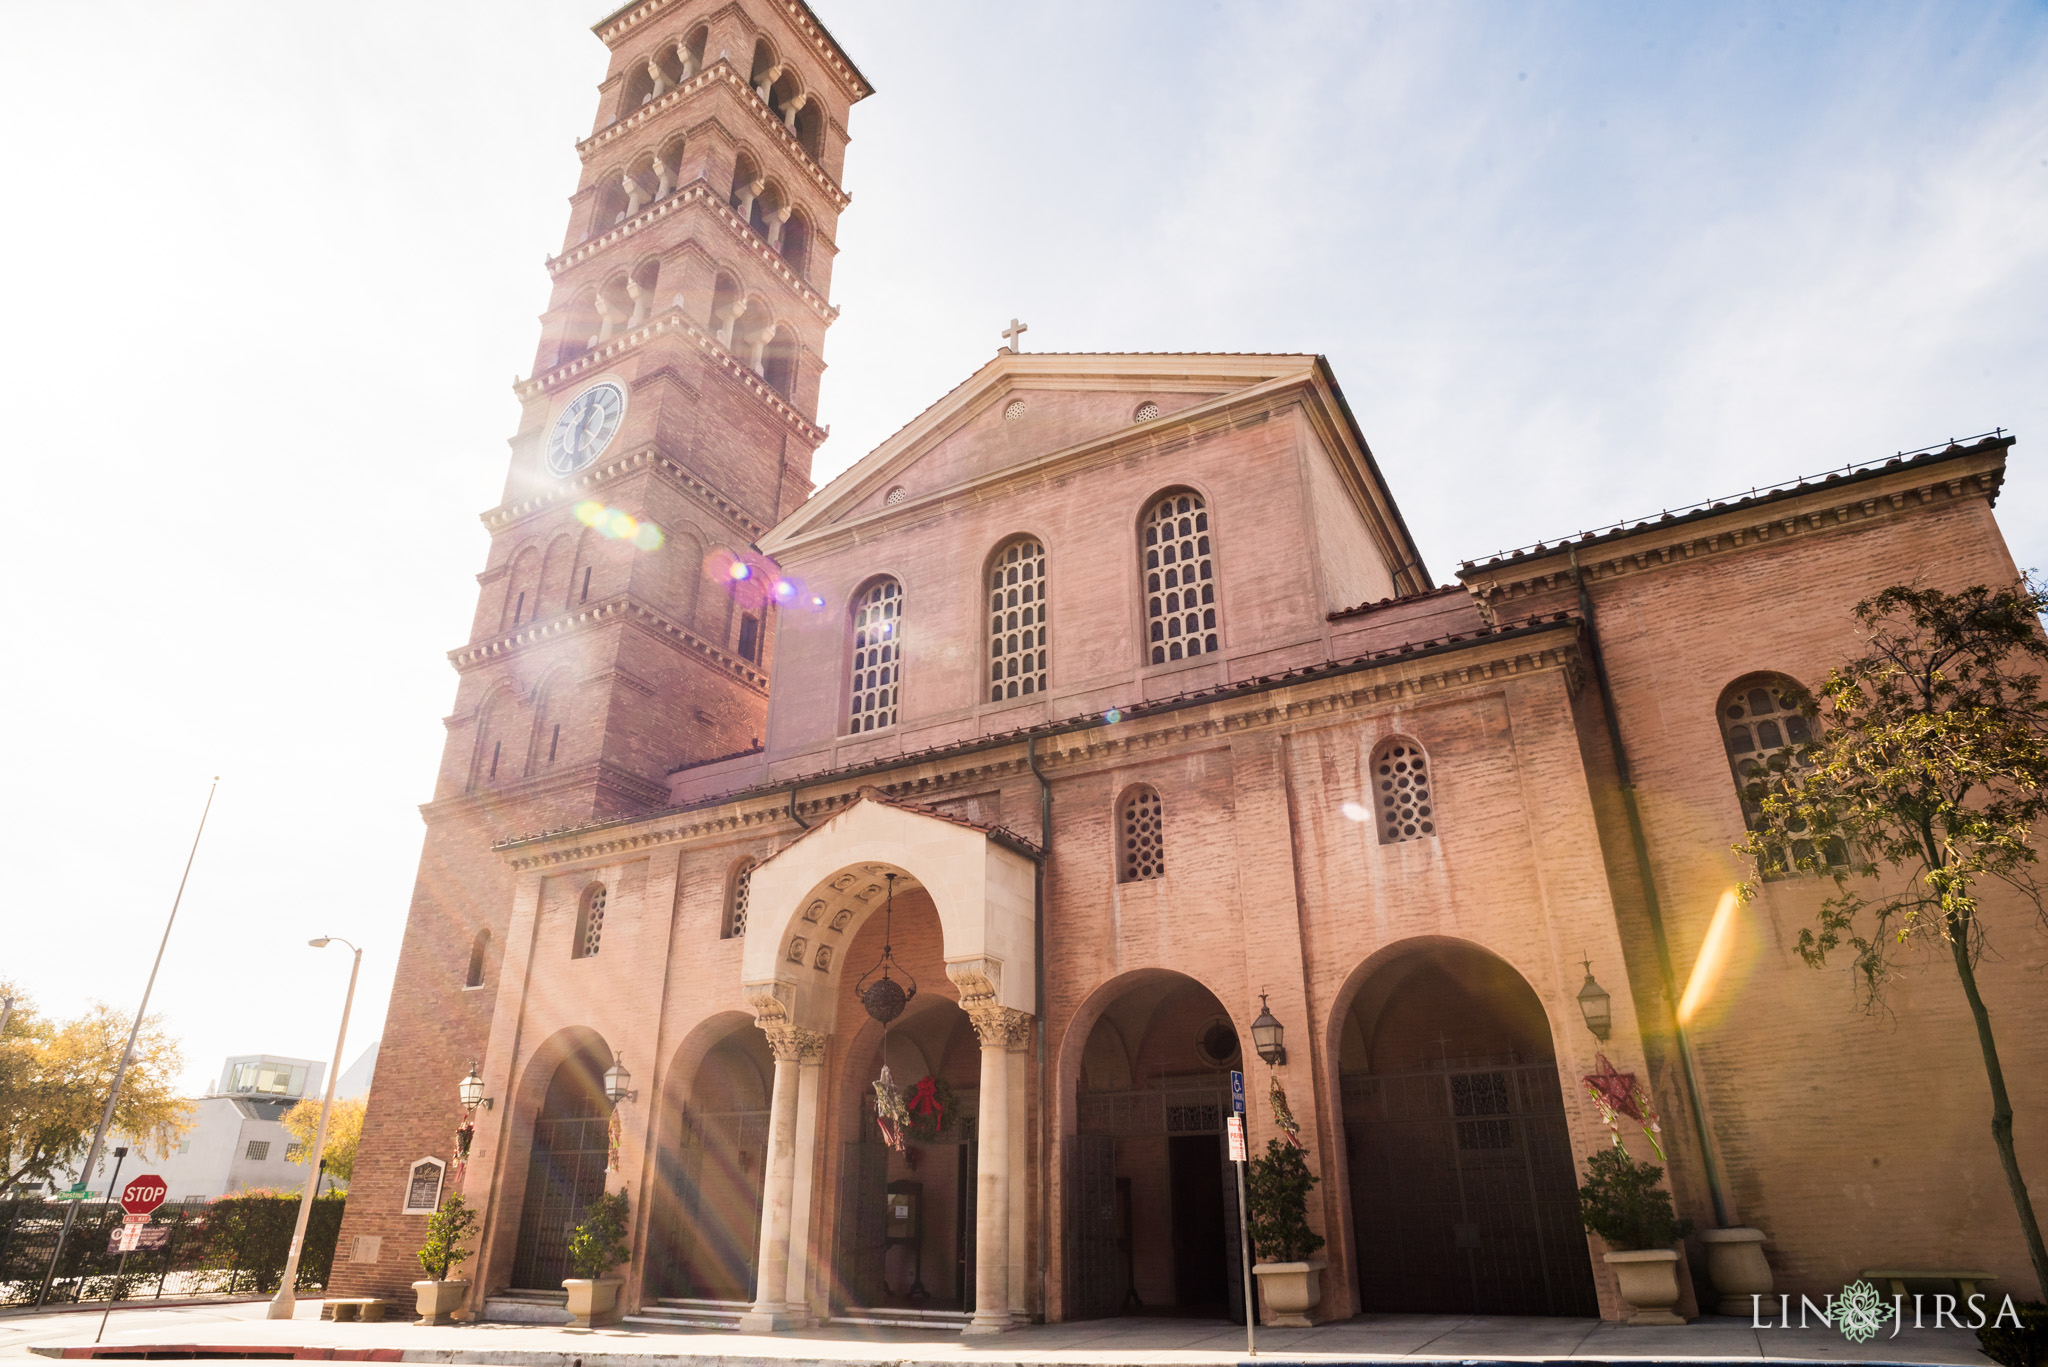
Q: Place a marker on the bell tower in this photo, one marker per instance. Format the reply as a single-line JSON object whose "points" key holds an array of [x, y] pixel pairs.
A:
{"points": [[624, 620]]}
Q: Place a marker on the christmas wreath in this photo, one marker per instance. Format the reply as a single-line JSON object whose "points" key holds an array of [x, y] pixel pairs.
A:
{"points": [[932, 1110]]}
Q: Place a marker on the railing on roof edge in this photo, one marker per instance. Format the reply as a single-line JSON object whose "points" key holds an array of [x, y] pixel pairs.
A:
{"points": [[1735, 500]]}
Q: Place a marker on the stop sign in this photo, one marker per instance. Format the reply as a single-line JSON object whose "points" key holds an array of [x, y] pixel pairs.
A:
{"points": [[144, 1194]]}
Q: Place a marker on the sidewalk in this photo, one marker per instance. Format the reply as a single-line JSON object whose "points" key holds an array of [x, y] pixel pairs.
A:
{"points": [[1091, 1343]]}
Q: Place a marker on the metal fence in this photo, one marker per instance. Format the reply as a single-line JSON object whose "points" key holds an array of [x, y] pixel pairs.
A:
{"points": [[234, 1244]]}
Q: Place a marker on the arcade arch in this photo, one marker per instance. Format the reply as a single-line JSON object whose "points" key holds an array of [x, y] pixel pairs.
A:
{"points": [[1150, 1203], [1457, 1149]]}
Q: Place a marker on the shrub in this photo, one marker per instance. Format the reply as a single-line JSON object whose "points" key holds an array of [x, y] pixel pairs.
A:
{"points": [[599, 1243], [446, 1229], [1276, 1196], [2026, 1346], [1622, 1203]]}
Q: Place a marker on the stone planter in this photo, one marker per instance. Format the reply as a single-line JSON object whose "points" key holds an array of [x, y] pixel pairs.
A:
{"points": [[438, 1301], [1648, 1281], [593, 1302], [1290, 1291], [1735, 1263]]}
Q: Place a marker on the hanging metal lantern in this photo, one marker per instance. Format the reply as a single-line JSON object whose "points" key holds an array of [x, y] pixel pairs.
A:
{"points": [[879, 993]]}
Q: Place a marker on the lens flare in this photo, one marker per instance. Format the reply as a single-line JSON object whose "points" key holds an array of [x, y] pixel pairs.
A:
{"points": [[1113, 716], [1713, 960], [1356, 811], [816, 602], [615, 524], [740, 570], [784, 590]]}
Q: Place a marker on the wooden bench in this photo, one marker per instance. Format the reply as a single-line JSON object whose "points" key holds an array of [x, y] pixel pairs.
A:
{"points": [[1896, 1278], [366, 1310]]}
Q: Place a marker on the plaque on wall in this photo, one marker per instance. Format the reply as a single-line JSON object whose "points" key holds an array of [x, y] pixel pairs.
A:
{"points": [[423, 1188]]}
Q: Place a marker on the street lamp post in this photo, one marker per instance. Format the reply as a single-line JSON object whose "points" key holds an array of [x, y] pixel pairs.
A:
{"points": [[285, 1301]]}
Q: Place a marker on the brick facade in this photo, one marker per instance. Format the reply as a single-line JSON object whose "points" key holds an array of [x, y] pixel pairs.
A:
{"points": [[1850, 1140]]}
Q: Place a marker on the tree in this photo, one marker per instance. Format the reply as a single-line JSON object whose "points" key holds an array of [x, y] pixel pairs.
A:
{"points": [[446, 1229], [1928, 777], [54, 1078], [599, 1244], [344, 1132], [1277, 1189]]}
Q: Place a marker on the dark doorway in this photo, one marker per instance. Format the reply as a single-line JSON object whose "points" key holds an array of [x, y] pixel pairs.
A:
{"points": [[565, 1172], [1201, 1280], [1463, 1190]]}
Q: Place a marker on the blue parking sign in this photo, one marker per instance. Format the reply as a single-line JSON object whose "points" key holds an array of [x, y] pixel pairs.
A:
{"points": [[1237, 1093]]}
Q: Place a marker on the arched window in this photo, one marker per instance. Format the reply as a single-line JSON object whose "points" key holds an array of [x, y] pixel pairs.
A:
{"points": [[477, 949], [736, 900], [1401, 783], [1180, 578], [1761, 733], [1016, 620], [1140, 836], [589, 923], [877, 656]]}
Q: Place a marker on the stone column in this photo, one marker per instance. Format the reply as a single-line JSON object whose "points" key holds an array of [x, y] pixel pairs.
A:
{"points": [[1021, 1284], [995, 1026], [809, 1083], [770, 1309]]}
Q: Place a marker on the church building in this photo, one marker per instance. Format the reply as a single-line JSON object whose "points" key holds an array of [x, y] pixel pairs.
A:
{"points": [[1105, 710]]}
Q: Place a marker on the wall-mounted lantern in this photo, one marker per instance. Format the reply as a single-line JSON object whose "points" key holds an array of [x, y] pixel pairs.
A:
{"points": [[1596, 1006]]}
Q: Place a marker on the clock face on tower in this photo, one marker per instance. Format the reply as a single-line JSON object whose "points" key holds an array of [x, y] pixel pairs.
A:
{"points": [[585, 428]]}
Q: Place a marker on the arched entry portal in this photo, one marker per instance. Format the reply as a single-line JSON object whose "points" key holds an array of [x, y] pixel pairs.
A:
{"points": [[1464, 1194], [566, 1170], [1151, 1205], [708, 1213], [907, 1221]]}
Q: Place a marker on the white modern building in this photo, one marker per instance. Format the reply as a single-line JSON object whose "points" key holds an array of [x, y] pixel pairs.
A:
{"points": [[237, 1140]]}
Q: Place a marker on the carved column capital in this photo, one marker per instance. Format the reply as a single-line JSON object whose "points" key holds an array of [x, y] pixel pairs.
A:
{"points": [[794, 1044], [1001, 1027]]}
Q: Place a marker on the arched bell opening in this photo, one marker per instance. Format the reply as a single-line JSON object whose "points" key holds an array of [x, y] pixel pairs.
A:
{"points": [[566, 1164], [706, 1195], [1458, 1154], [1150, 1203]]}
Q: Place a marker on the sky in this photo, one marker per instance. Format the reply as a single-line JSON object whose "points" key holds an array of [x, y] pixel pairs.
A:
{"points": [[277, 266]]}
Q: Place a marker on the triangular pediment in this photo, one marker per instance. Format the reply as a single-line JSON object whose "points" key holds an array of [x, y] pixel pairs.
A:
{"points": [[1019, 412]]}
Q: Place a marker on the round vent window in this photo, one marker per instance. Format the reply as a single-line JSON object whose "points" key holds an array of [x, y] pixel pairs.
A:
{"points": [[896, 495], [1216, 1042], [1015, 410], [1146, 412]]}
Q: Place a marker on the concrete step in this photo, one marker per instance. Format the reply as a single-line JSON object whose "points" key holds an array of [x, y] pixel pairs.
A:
{"points": [[691, 1313], [527, 1307], [893, 1317]]}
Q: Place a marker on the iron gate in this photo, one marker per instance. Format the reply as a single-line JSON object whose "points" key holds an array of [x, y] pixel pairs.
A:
{"points": [[565, 1174], [1464, 1194]]}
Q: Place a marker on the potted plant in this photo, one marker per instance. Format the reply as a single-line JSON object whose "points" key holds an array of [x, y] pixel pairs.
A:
{"points": [[596, 1247], [440, 1296], [1622, 1203], [1276, 1198]]}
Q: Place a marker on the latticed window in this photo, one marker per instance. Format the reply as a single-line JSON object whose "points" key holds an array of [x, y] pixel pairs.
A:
{"points": [[590, 923], [1762, 733], [1180, 578], [736, 900], [1016, 621], [1141, 844], [1400, 778], [877, 656]]}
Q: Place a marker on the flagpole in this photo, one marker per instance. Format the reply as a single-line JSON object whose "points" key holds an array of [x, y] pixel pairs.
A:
{"points": [[92, 1156]]}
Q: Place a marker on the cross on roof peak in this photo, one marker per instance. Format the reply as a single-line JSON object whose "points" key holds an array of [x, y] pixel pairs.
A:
{"points": [[1013, 332]]}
